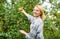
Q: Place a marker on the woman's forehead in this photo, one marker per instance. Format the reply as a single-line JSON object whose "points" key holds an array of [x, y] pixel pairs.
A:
{"points": [[36, 8]]}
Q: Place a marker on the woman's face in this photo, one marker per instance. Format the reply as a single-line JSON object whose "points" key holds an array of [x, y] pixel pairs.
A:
{"points": [[36, 12]]}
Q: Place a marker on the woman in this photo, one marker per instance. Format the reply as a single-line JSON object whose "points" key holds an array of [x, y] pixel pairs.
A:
{"points": [[36, 27]]}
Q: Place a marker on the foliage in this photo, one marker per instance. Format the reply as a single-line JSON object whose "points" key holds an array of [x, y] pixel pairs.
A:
{"points": [[11, 20]]}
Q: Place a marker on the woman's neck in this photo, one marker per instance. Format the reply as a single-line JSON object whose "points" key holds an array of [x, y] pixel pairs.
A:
{"points": [[36, 17]]}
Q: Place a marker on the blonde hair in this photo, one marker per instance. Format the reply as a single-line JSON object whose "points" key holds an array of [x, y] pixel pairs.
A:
{"points": [[42, 12]]}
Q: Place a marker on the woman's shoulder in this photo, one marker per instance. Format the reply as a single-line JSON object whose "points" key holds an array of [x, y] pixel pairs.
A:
{"points": [[39, 20]]}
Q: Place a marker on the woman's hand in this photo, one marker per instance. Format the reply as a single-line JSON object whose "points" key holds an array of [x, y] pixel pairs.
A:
{"points": [[23, 32], [21, 9]]}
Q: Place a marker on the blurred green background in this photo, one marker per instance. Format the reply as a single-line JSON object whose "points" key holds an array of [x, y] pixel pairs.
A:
{"points": [[11, 20]]}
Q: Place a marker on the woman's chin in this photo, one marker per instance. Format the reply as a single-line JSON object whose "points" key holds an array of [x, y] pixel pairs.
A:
{"points": [[35, 16]]}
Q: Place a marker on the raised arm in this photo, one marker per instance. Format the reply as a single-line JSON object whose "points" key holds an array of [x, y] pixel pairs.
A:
{"points": [[23, 11], [30, 18]]}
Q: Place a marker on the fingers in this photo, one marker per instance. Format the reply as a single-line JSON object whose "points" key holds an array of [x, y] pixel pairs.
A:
{"points": [[23, 32], [20, 9]]}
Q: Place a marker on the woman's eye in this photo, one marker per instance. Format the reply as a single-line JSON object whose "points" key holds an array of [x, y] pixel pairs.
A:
{"points": [[37, 10]]}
